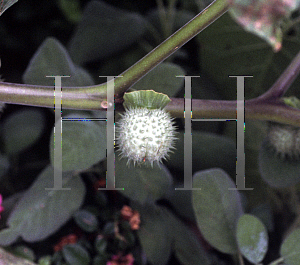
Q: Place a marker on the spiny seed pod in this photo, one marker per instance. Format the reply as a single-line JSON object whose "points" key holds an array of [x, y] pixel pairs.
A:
{"points": [[145, 135], [285, 140]]}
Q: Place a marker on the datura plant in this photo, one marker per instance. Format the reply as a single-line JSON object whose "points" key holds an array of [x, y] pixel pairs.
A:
{"points": [[151, 132]]}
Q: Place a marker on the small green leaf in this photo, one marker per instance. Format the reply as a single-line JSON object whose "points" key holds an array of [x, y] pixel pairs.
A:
{"points": [[290, 248], [217, 209], [162, 79], [5, 4], [71, 10], [86, 220], [100, 244], [292, 101], [145, 99], [83, 143], [52, 59], [109, 229], [142, 183], [75, 254], [46, 260], [103, 31], [276, 171], [22, 129], [252, 238], [24, 252], [40, 213]]}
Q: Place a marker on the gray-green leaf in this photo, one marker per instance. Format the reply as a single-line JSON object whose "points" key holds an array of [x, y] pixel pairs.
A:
{"points": [[83, 142], [252, 238], [162, 79], [142, 183], [40, 213], [290, 248], [103, 31], [52, 59], [217, 209], [22, 129]]}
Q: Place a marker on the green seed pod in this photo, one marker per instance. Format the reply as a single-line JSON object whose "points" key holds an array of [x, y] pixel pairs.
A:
{"points": [[145, 133]]}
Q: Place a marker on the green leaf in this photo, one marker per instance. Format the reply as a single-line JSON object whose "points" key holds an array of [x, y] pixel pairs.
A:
{"points": [[83, 142], [76, 255], [217, 209], [154, 234], [261, 18], [158, 221], [142, 183], [252, 238], [162, 79], [290, 248], [40, 213], [186, 246], [292, 101], [23, 252], [5, 4], [71, 10], [9, 259], [209, 150], [276, 171], [103, 31], [45, 260], [100, 244], [22, 129], [86, 220], [8, 236], [227, 49], [52, 59]]}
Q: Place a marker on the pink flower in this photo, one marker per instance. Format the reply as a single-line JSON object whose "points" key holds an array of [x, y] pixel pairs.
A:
{"points": [[1, 207]]}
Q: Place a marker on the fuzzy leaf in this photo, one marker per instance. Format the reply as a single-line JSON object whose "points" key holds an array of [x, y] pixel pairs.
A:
{"points": [[103, 31], [40, 213], [217, 209], [32, 123], [252, 238], [162, 79], [142, 183], [83, 142], [52, 59], [290, 248]]}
